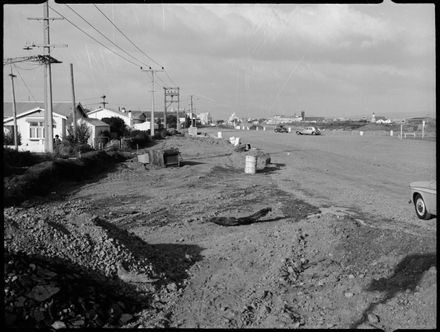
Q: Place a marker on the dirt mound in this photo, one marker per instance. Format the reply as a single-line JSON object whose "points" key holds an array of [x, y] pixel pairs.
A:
{"points": [[40, 178], [42, 294], [80, 251], [89, 242]]}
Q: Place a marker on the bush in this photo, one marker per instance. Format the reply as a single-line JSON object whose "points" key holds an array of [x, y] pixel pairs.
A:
{"points": [[66, 149], [82, 134], [8, 138], [138, 138], [117, 126]]}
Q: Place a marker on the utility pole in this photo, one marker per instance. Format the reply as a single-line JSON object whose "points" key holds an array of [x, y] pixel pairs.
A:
{"points": [[152, 71], [48, 105], [10, 61], [192, 124], [73, 102], [169, 94], [14, 111], [103, 101], [177, 113]]}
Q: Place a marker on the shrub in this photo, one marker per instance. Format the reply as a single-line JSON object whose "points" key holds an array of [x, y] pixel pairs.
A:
{"points": [[117, 126], [82, 134], [138, 138], [8, 138]]}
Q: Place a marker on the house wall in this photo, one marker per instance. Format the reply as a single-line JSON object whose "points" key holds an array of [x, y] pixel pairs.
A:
{"points": [[142, 126], [108, 114]]}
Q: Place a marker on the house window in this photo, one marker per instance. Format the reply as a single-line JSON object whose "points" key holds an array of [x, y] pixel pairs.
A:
{"points": [[36, 130]]}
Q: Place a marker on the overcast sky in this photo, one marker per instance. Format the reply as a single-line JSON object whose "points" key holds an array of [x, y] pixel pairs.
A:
{"points": [[252, 59]]}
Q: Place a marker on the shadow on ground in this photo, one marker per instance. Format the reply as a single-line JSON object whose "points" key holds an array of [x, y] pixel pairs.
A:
{"points": [[406, 276], [171, 259], [272, 167]]}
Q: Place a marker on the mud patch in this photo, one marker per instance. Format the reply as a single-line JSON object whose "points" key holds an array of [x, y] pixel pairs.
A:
{"points": [[295, 208]]}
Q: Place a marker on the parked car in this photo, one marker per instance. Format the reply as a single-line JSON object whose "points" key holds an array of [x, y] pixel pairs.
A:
{"points": [[309, 131], [424, 197], [280, 129]]}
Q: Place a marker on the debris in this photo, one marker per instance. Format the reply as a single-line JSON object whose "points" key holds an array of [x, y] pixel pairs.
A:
{"points": [[58, 325], [127, 276], [125, 318], [372, 318], [232, 221], [348, 294], [42, 292]]}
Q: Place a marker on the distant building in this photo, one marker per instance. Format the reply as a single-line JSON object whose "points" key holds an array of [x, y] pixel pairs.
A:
{"points": [[205, 118], [277, 119], [233, 119], [314, 119]]}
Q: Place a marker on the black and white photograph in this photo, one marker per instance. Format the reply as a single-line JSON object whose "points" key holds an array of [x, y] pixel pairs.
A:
{"points": [[219, 165]]}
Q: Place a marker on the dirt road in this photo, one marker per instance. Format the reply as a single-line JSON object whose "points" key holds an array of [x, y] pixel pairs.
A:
{"points": [[341, 248]]}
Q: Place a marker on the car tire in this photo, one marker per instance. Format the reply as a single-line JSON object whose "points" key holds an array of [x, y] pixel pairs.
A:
{"points": [[420, 206]]}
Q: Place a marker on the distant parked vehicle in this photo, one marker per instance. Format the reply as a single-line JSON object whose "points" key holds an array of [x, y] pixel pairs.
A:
{"points": [[309, 131], [280, 129], [424, 197]]}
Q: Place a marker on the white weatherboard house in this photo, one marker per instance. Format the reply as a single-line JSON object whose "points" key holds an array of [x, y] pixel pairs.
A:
{"points": [[101, 113], [30, 119]]}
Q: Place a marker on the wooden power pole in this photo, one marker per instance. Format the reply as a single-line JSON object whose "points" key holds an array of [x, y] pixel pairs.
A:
{"points": [[14, 111], [152, 71], [73, 101], [48, 103]]}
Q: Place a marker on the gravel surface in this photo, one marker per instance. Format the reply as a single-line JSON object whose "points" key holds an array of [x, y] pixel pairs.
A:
{"points": [[321, 258]]}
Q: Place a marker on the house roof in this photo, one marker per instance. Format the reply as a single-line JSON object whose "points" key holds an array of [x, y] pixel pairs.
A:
{"points": [[96, 122], [32, 111], [117, 112], [61, 108], [134, 114]]}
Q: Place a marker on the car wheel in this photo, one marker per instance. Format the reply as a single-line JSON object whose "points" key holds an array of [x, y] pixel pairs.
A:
{"points": [[420, 207]]}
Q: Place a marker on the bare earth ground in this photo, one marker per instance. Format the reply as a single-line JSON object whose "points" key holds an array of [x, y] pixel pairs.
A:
{"points": [[342, 248]]}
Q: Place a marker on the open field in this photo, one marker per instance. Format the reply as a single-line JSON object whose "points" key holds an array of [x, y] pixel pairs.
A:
{"points": [[341, 248]]}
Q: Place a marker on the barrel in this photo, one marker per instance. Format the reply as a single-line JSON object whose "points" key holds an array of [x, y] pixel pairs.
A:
{"points": [[251, 163], [361, 133], [391, 133], [219, 134]]}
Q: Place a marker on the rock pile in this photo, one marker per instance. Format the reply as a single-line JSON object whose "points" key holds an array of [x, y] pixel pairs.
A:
{"points": [[41, 294], [61, 268]]}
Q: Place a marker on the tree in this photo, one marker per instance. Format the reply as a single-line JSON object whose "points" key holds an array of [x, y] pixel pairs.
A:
{"points": [[171, 121], [187, 121], [117, 125], [82, 134]]}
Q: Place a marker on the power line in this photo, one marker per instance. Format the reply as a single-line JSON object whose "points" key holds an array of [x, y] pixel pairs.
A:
{"points": [[25, 84], [127, 37], [94, 38], [166, 72], [33, 68], [105, 35]]}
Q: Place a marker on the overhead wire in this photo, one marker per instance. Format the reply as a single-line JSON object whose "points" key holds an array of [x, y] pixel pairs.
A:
{"points": [[127, 37], [139, 49], [33, 68], [26, 86], [120, 48], [137, 65]]}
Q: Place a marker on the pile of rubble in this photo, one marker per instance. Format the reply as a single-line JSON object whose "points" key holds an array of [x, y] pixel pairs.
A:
{"points": [[61, 267]]}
